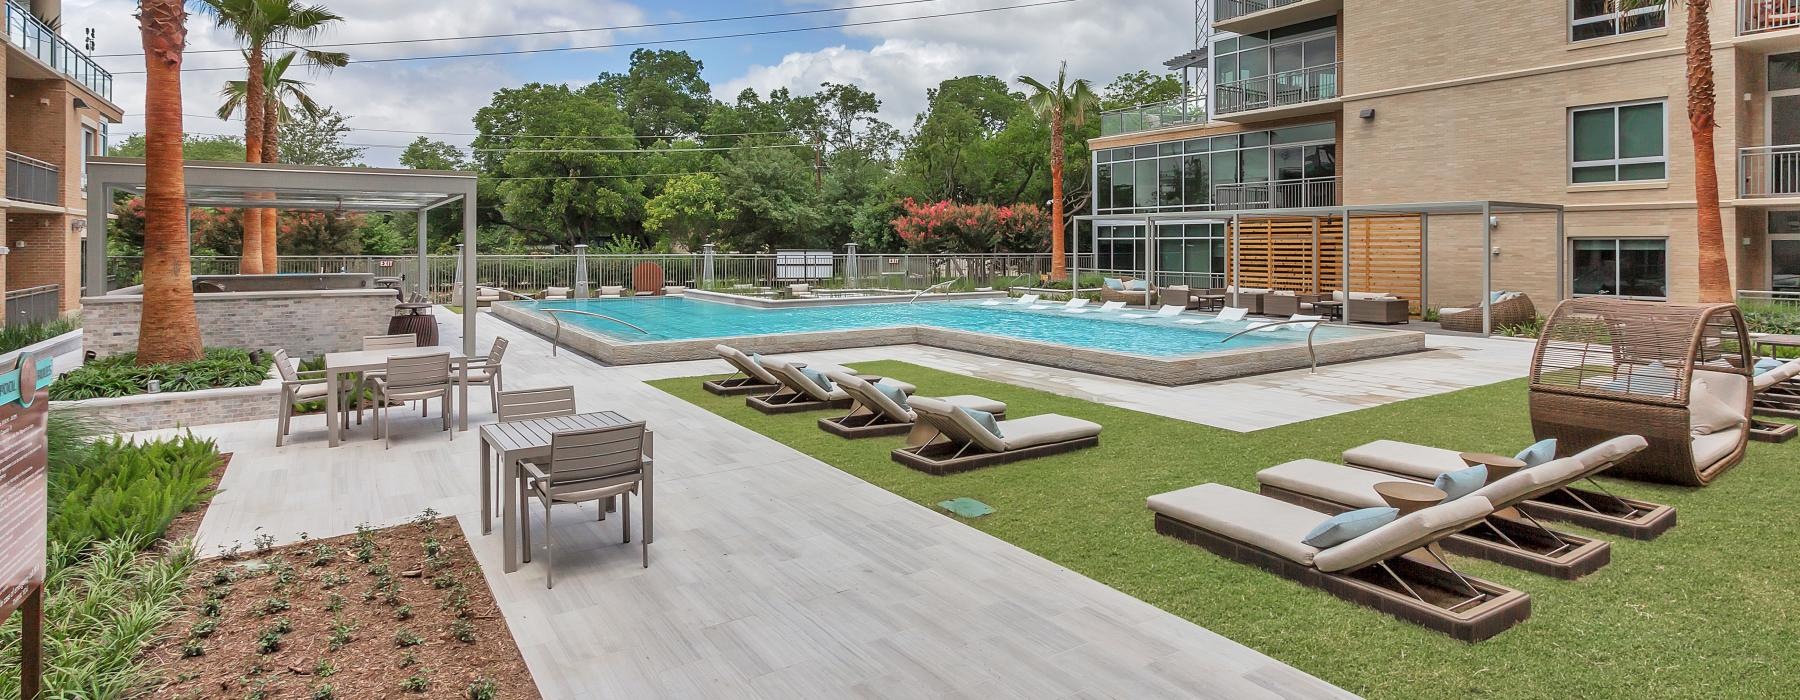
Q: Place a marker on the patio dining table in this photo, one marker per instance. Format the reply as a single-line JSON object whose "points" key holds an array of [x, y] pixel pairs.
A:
{"points": [[530, 439], [338, 364]]}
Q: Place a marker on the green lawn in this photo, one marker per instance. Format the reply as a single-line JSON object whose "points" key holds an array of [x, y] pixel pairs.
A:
{"points": [[1706, 610]]}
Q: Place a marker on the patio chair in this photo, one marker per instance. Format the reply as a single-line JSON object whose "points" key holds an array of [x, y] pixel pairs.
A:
{"points": [[390, 342], [800, 291], [1178, 294], [1594, 508], [1777, 393], [304, 387], [959, 443], [611, 290], [1285, 303], [592, 465], [1373, 569], [529, 404], [1134, 292], [874, 412], [557, 293], [1506, 309], [413, 378], [1229, 314], [486, 371], [803, 388], [674, 290], [486, 296], [1167, 311], [1509, 537]]}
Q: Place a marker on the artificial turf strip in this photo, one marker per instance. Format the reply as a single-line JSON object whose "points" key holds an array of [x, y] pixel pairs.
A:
{"points": [[1707, 610]]}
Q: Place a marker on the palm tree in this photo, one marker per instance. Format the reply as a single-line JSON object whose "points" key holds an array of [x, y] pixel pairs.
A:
{"points": [[1715, 269], [278, 92], [259, 23], [1066, 104], [168, 330]]}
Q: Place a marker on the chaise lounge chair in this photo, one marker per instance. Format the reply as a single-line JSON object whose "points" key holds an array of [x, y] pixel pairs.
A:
{"points": [[1777, 394], [1166, 311], [1374, 569], [798, 389], [755, 378], [1229, 314], [1105, 307], [1595, 509], [1517, 540], [1026, 300], [957, 443], [1308, 321], [874, 412]]}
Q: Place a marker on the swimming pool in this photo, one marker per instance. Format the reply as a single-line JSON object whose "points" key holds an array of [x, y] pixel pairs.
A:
{"points": [[1144, 348]]}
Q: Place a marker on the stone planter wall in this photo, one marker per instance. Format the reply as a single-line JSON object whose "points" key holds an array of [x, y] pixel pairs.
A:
{"points": [[179, 409], [305, 323]]}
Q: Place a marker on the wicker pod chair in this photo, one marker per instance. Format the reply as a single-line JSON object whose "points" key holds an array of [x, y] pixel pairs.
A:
{"points": [[1513, 310], [1677, 374]]}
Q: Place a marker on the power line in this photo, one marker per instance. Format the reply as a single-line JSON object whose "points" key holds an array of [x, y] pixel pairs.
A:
{"points": [[510, 136], [666, 151], [739, 35], [470, 37], [606, 177]]}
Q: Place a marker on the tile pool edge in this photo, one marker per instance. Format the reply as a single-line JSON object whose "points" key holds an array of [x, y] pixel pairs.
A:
{"points": [[1168, 371], [761, 303]]}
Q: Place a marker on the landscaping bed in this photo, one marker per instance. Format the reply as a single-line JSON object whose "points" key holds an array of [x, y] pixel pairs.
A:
{"points": [[392, 613], [119, 375], [1706, 610]]}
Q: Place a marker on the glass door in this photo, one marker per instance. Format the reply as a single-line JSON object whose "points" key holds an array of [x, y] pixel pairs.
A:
{"points": [[1784, 251], [1784, 123]]}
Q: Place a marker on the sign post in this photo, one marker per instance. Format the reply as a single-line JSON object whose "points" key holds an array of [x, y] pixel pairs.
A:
{"points": [[24, 459]]}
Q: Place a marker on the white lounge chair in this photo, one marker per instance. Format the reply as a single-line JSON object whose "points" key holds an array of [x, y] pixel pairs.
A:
{"points": [[1104, 308], [556, 293], [1277, 325], [1025, 300], [1166, 311], [1075, 304], [1229, 314]]}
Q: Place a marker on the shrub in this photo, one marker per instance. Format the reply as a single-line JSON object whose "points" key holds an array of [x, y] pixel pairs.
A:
{"points": [[128, 489], [119, 375], [17, 335], [1768, 317], [947, 226]]}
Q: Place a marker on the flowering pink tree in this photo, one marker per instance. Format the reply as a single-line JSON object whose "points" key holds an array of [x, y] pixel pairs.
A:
{"points": [[948, 227]]}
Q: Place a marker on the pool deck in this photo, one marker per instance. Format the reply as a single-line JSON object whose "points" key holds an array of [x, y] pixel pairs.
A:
{"points": [[773, 574]]}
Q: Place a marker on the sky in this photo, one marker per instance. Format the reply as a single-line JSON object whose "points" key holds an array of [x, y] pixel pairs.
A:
{"points": [[897, 61]]}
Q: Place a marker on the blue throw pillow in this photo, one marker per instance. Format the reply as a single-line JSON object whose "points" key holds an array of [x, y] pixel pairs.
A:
{"points": [[1538, 453], [984, 418], [1344, 527], [1461, 482], [1767, 364], [756, 358], [818, 378], [893, 393], [1137, 286], [1113, 282]]}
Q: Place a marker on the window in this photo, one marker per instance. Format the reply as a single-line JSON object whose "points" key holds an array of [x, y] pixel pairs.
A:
{"points": [[1595, 19], [1618, 143], [1625, 267], [90, 146]]}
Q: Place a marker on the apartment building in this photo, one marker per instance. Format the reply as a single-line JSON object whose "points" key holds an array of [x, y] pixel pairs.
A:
{"points": [[58, 108], [1318, 103]]}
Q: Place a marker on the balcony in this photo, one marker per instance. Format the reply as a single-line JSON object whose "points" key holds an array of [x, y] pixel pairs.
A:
{"points": [[1757, 16], [1251, 16], [34, 37], [1159, 115], [1292, 93], [31, 180], [1769, 171], [1282, 194]]}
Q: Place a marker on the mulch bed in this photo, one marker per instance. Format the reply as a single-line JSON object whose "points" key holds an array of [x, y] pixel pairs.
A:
{"points": [[394, 613], [187, 523]]}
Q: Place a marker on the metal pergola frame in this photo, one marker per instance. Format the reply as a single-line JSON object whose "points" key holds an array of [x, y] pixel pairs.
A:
{"points": [[1487, 209], [295, 187]]}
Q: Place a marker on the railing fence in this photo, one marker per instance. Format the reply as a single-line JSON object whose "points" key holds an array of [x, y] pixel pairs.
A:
{"points": [[32, 305], [1279, 89], [1769, 171], [1767, 15]]}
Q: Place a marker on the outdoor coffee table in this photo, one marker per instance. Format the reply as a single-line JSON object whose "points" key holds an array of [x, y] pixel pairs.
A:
{"points": [[1774, 340], [1409, 496], [1331, 310], [338, 364], [530, 439], [1498, 466]]}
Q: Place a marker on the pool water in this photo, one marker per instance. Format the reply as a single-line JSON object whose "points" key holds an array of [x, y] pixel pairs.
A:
{"points": [[677, 318]]}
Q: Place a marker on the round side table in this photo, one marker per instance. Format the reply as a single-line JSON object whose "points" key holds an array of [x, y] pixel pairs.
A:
{"points": [[1498, 466], [1409, 496]]}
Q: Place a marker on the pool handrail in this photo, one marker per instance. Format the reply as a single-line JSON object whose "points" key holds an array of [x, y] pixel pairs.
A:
{"points": [[1310, 353], [556, 339], [927, 290]]}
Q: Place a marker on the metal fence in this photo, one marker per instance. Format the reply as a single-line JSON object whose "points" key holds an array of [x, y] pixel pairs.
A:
{"points": [[1752, 297], [1769, 171], [1282, 89], [1767, 15], [531, 274], [33, 305], [31, 180]]}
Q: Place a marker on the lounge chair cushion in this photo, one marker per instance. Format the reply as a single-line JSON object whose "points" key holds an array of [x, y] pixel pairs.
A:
{"points": [[1253, 519], [1778, 375], [1538, 453], [1350, 525], [1404, 458], [1332, 482], [1710, 448], [818, 378], [893, 393], [1044, 429], [1407, 533], [983, 419], [1461, 482], [1708, 412], [979, 403]]}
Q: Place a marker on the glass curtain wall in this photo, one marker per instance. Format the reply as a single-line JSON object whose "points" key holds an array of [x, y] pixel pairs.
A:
{"points": [[1284, 66], [1190, 253], [1290, 167]]}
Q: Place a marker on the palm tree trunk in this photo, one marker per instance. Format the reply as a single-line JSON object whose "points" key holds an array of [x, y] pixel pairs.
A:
{"points": [[1715, 268], [168, 330], [252, 257], [1058, 267], [270, 218]]}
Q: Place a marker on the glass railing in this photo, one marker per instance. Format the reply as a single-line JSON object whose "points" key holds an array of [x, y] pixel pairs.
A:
{"points": [[1233, 9], [1157, 115], [34, 37], [1282, 89], [32, 180], [1767, 15]]}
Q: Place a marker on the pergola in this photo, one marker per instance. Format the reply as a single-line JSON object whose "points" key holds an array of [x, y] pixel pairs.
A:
{"points": [[1487, 209], [295, 187]]}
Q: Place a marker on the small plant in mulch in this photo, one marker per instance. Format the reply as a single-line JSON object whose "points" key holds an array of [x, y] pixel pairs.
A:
{"points": [[462, 631], [415, 683], [324, 692], [324, 669], [403, 612], [482, 689], [407, 638]]}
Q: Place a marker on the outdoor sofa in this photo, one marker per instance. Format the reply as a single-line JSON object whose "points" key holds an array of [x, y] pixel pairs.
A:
{"points": [[1508, 309]]}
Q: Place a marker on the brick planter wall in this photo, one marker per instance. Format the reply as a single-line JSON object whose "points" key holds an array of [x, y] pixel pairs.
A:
{"points": [[179, 409], [305, 323]]}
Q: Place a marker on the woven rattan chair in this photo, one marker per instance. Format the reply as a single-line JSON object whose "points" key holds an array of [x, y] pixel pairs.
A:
{"points": [[591, 465], [1513, 310], [1677, 374], [413, 378], [1134, 297]]}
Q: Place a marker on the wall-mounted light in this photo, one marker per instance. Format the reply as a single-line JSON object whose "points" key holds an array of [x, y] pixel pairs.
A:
{"points": [[81, 104], [1367, 113], [1494, 222]]}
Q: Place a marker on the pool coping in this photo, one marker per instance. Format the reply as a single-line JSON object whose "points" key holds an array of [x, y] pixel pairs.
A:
{"points": [[1173, 370], [761, 303]]}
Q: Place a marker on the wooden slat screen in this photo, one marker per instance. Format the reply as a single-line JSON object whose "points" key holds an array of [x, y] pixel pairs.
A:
{"points": [[1282, 254]]}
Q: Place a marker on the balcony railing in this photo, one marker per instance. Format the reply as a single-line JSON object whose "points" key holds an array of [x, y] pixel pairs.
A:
{"points": [[1157, 115], [1767, 15], [1281, 194], [1769, 171], [30, 34], [31, 180], [1282, 89], [33, 305], [1233, 9]]}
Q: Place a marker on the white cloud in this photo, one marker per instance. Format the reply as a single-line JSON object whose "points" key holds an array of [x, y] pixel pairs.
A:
{"points": [[1099, 39]]}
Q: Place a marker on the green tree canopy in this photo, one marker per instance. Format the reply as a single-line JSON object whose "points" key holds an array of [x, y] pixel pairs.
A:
{"points": [[688, 211], [317, 139], [427, 154], [662, 94], [543, 145], [1139, 88], [194, 147]]}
